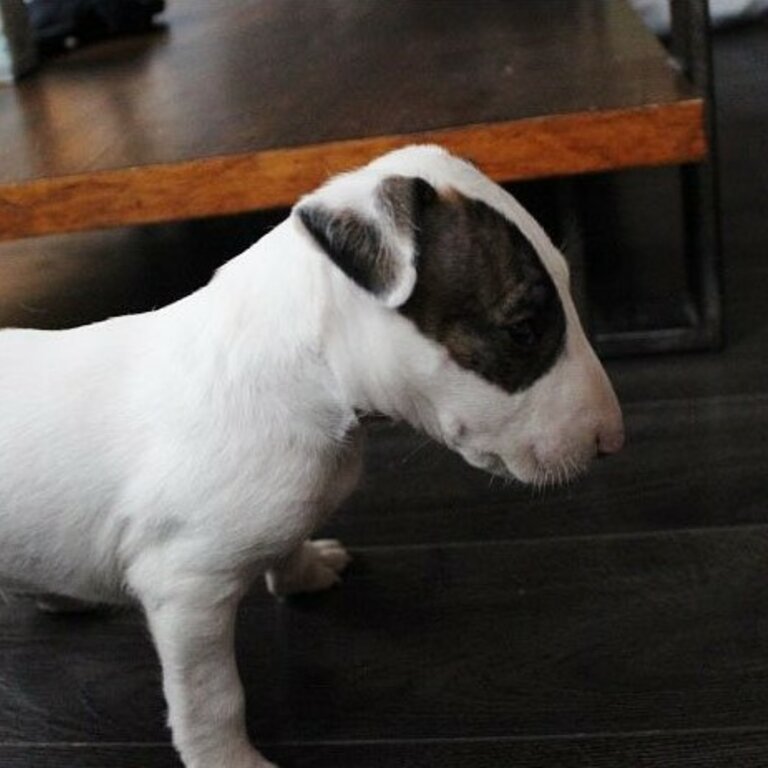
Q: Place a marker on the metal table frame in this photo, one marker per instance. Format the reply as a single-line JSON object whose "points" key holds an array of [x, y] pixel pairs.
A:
{"points": [[690, 44]]}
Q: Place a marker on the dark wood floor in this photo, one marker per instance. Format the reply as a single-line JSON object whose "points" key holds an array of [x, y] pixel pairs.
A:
{"points": [[619, 622]]}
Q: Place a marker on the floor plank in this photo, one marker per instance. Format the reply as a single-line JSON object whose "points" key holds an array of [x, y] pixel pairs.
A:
{"points": [[742, 748], [519, 639]]}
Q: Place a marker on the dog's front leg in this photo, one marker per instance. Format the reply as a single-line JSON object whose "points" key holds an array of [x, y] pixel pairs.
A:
{"points": [[194, 631]]}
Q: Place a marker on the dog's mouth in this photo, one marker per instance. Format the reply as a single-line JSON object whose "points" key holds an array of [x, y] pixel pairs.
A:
{"points": [[496, 466], [491, 463], [531, 471]]}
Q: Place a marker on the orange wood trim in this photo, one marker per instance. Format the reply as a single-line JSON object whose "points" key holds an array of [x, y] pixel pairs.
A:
{"points": [[522, 149]]}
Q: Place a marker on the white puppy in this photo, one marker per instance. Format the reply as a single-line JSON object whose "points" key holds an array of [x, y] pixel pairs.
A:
{"points": [[170, 458]]}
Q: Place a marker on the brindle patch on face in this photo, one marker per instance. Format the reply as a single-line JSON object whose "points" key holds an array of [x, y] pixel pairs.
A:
{"points": [[483, 292]]}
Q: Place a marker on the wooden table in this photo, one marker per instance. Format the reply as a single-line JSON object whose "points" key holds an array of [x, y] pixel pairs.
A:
{"points": [[248, 104]]}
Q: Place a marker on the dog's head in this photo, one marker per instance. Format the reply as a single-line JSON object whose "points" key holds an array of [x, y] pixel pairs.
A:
{"points": [[481, 340]]}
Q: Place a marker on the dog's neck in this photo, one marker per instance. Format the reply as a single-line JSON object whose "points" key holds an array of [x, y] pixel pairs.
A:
{"points": [[295, 310], [379, 357]]}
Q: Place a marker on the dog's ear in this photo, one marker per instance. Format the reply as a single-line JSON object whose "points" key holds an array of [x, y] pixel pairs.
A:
{"points": [[373, 241]]}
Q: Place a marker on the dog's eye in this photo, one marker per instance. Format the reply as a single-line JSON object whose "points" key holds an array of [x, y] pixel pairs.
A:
{"points": [[522, 333]]}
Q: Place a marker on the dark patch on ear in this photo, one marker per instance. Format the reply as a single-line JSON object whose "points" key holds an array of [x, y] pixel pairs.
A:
{"points": [[403, 198], [483, 292], [358, 245], [354, 244]]}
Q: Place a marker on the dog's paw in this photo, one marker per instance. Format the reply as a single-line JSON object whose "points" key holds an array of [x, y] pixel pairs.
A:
{"points": [[330, 557], [315, 567]]}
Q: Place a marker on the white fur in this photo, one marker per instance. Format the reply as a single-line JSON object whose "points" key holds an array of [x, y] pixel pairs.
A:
{"points": [[173, 456]]}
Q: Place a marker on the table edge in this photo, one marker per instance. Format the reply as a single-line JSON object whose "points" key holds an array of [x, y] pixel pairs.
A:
{"points": [[557, 145]]}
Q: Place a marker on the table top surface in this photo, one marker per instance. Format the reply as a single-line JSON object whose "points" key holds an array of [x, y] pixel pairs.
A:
{"points": [[241, 78]]}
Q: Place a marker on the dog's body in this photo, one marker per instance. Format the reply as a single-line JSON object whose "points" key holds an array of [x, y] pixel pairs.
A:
{"points": [[172, 457]]}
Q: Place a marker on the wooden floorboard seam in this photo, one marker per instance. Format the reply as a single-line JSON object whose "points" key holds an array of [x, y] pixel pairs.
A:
{"points": [[703, 530], [395, 740]]}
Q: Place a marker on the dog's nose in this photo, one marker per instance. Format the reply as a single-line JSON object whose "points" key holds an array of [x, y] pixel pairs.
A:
{"points": [[609, 441]]}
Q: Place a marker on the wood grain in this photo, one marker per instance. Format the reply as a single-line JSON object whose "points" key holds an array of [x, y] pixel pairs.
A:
{"points": [[248, 105], [505, 151], [534, 639], [234, 78], [739, 748]]}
